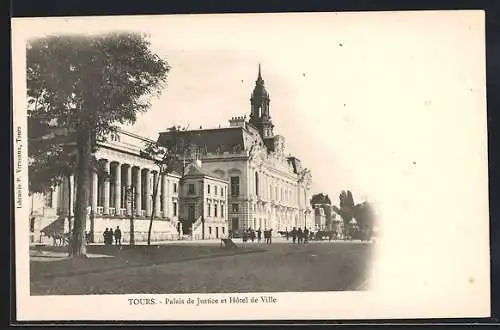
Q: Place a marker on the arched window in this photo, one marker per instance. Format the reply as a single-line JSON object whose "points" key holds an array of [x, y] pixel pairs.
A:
{"points": [[257, 183]]}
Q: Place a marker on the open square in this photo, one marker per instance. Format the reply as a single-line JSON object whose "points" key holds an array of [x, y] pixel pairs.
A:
{"points": [[278, 267]]}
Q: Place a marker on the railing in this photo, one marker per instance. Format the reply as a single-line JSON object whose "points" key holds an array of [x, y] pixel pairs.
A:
{"points": [[143, 213], [123, 212], [112, 211], [100, 210]]}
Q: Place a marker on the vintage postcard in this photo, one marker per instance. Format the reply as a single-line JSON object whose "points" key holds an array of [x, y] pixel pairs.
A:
{"points": [[251, 166]]}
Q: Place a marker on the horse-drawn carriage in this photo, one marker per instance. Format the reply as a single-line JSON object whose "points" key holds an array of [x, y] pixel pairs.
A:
{"points": [[55, 231]]}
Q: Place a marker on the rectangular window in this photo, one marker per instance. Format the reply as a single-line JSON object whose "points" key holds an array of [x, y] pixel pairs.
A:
{"points": [[48, 198], [191, 189], [235, 208], [208, 187], [215, 190], [235, 186], [175, 209], [208, 210], [222, 211], [215, 210], [222, 192], [210, 230], [235, 223], [223, 230], [175, 187]]}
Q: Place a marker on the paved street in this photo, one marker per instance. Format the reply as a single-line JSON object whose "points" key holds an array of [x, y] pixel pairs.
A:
{"points": [[317, 266]]}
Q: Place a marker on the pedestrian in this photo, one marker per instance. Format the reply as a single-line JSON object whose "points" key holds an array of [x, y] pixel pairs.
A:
{"points": [[299, 236], [294, 235], [106, 236], [259, 235], [118, 236], [270, 235], [306, 235], [287, 234]]}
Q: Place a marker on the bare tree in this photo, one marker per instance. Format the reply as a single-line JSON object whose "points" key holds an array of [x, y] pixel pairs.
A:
{"points": [[166, 156]]}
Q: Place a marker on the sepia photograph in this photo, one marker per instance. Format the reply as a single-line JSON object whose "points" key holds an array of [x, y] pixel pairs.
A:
{"points": [[251, 162]]}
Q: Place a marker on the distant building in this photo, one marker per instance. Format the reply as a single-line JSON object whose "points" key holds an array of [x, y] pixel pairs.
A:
{"points": [[319, 217]]}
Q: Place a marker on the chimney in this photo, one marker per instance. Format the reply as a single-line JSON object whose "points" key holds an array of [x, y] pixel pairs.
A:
{"points": [[237, 121]]}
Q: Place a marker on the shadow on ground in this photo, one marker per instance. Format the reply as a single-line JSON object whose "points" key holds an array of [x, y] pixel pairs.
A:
{"points": [[50, 262], [210, 269]]}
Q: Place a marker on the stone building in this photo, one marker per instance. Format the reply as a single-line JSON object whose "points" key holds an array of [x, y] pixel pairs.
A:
{"points": [[110, 205], [319, 218], [203, 203], [242, 178], [268, 188]]}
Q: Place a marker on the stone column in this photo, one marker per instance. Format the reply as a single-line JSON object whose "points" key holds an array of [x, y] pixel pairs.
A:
{"points": [[157, 180], [118, 188], [128, 184], [164, 188], [106, 189], [95, 182], [148, 193], [138, 192]]}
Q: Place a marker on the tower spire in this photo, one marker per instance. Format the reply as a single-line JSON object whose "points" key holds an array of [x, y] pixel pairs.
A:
{"points": [[260, 117]]}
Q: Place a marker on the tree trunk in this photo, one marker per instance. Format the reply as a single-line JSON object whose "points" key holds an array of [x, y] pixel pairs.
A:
{"points": [[153, 206], [132, 210], [70, 202], [132, 229], [92, 226], [78, 246]]}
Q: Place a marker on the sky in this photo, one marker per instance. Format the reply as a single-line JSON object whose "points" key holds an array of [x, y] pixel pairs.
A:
{"points": [[354, 94]]}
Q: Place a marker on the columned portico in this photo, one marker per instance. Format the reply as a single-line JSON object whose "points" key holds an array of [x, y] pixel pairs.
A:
{"points": [[109, 192], [106, 187], [138, 191], [95, 186], [118, 188], [148, 195], [128, 184], [157, 181]]}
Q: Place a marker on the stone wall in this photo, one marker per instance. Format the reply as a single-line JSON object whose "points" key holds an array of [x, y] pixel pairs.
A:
{"points": [[162, 230]]}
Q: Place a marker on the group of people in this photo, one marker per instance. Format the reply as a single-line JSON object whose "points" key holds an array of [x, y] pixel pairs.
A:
{"points": [[253, 234], [298, 235], [109, 235]]}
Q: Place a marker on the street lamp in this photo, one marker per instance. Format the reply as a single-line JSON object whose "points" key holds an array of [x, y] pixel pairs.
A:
{"points": [[130, 193]]}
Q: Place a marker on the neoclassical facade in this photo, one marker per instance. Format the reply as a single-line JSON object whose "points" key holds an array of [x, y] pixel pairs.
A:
{"points": [[268, 188], [125, 186]]}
